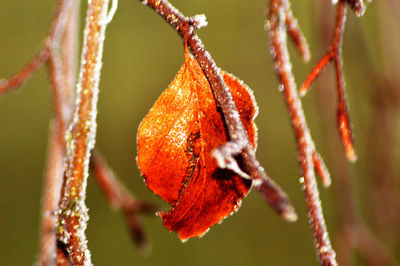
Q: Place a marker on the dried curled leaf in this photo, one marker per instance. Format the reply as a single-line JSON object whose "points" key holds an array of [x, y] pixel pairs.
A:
{"points": [[175, 141]]}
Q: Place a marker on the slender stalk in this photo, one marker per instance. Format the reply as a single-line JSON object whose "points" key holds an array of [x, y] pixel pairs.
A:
{"points": [[305, 145], [51, 197], [334, 54], [63, 107], [72, 215], [238, 144], [120, 198], [52, 41]]}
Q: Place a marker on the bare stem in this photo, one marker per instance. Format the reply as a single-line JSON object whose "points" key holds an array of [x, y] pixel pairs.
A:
{"points": [[72, 215], [51, 197], [335, 53], [120, 198], [305, 145], [55, 163], [238, 144], [52, 41]]}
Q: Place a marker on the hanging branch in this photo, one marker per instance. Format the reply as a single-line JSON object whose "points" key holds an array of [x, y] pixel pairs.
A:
{"points": [[238, 146], [306, 150], [72, 214], [120, 198], [335, 54]]}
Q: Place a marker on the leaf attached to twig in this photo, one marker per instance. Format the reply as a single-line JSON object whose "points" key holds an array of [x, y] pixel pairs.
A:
{"points": [[175, 143]]}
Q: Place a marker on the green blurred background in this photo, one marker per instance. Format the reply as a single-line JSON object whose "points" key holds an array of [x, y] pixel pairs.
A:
{"points": [[142, 54]]}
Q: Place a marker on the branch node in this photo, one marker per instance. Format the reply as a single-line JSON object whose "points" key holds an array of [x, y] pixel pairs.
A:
{"points": [[225, 157]]}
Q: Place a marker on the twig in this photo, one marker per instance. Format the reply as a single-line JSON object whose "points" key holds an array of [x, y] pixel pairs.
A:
{"points": [[296, 34], [239, 145], [119, 198], [52, 41], [51, 197], [62, 104], [305, 146], [335, 53], [72, 215], [354, 235]]}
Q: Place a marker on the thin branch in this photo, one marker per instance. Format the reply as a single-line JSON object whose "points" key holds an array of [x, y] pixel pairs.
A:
{"points": [[305, 145], [335, 53], [72, 215], [55, 163], [238, 145], [297, 35], [353, 233], [52, 41], [120, 198], [25, 73], [51, 197]]}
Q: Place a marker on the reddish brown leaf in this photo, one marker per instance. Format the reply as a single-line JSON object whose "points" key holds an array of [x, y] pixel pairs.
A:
{"points": [[175, 141]]}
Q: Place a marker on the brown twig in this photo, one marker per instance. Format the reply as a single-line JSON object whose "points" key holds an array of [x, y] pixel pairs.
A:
{"points": [[120, 198], [63, 106], [306, 150], [354, 236], [239, 145], [297, 35], [72, 214], [51, 196], [335, 54], [52, 41]]}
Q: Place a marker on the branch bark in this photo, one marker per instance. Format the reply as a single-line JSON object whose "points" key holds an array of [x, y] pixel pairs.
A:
{"points": [[63, 96], [306, 150], [72, 214], [334, 54]]}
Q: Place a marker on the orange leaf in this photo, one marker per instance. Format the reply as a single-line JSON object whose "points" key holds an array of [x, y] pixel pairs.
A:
{"points": [[175, 141]]}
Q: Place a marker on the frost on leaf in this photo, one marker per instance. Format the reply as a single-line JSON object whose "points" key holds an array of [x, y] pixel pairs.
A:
{"points": [[175, 142]]}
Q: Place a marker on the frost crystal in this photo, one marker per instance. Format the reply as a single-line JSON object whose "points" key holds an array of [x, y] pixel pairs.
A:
{"points": [[200, 21], [113, 9]]}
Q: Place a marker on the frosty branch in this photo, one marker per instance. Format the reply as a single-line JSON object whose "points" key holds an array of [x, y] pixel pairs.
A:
{"points": [[62, 69], [335, 54], [72, 213], [59, 52], [307, 155]]}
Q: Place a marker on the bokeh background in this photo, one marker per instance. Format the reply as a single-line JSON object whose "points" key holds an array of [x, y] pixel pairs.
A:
{"points": [[141, 56]]}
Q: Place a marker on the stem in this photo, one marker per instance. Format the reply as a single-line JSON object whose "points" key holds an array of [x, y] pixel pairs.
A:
{"points": [[335, 53], [52, 41], [55, 163], [120, 198], [51, 197], [72, 216], [239, 144], [305, 145]]}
